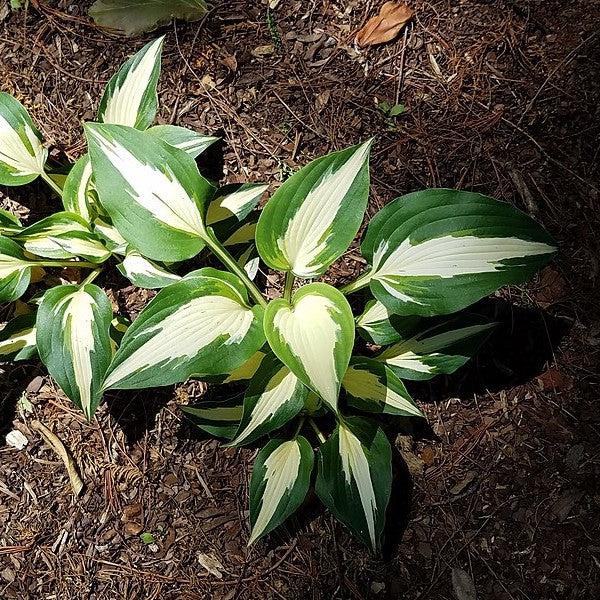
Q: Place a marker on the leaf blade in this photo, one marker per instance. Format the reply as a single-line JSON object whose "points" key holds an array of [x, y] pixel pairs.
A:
{"points": [[313, 336], [296, 229], [279, 483]]}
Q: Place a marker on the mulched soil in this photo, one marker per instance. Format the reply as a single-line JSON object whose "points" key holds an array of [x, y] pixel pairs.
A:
{"points": [[501, 97]]}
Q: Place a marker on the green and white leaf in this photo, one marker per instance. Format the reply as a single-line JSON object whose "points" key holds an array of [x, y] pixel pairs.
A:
{"points": [[373, 387], [438, 251], [185, 139], [22, 155], [234, 201], [198, 326], [152, 192], [77, 191], [438, 349], [130, 98], [313, 217], [242, 235], [144, 273], [9, 223], [112, 239], [354, 478], [378, 325], [73, 341], [274, 397], [15, 270], [220, 419], [313, 336], [132, 18], [279, 483], [63, 235], [17, 338]]}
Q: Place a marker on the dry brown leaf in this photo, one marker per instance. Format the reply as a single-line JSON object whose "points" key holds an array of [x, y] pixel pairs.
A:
{"points": [[383, 28], [58, 447]]}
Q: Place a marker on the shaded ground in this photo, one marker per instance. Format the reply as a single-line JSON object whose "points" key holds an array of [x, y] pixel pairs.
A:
{"points": [[501, 97]]}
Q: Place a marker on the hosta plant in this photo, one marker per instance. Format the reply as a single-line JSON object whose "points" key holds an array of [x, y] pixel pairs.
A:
{"points": [[323, 368]]}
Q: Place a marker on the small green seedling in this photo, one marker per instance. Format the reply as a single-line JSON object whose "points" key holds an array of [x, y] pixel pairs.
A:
{"points": [[322, 380]]}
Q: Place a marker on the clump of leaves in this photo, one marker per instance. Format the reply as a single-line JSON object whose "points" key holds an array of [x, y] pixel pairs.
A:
{"points": [[132, 18], [138, 200]]}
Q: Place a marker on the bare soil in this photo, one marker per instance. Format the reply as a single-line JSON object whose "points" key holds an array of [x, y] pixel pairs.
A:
{"points": [[503, 491]]}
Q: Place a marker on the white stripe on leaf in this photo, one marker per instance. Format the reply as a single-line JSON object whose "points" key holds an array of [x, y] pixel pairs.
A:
{"points": [[450, 256]]}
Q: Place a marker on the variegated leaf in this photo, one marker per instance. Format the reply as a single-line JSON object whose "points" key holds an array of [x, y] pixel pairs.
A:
{"points": [[280, 481], [274, 397], [313, 335], [437, 349], [112, 239], [153, 192], [220, 419], [9, 223], [189, 141], [73, 341], [144, 273], [63, 235], [234, 201], [198, 326], [373, 387], [354, 477], [130, 97], [17, 338], [378, 325], [22, 155], [77, 196], [15, 270], [438, 251], [313, 217]]}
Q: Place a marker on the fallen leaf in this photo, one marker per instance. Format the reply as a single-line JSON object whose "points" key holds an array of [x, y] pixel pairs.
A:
{"points": [[551, 288], [263, 50], [58, 447], [133, 18], [553, 379], [464, 588], [212, 564], [383, 28]]}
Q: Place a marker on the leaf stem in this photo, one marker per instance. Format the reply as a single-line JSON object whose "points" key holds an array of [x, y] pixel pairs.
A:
{"points": [[319, 433], [223, 255], [359, 283], [91, 277], [289, 285], [52, 183], [78, 264]]}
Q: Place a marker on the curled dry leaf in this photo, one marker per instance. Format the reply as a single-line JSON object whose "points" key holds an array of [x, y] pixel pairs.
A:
{"points": [[383, 28]]}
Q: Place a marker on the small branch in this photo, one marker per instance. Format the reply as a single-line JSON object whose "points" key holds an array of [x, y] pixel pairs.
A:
{"points": [[91, 277]]}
